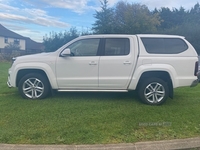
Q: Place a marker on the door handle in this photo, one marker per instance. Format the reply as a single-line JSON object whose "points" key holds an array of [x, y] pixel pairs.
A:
{"points": [[127, 63], [92, 63]]}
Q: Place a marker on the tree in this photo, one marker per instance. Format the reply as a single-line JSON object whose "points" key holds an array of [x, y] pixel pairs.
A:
{"points": [[104, 20], [12, 46], [166, 16], [194, 14], [195, 9], [7, 52], [171, 18], [56, 40], [134, 19]]}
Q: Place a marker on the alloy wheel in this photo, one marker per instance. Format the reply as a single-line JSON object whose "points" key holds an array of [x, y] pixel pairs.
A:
{"points": [[154, 92], [33, 88]]}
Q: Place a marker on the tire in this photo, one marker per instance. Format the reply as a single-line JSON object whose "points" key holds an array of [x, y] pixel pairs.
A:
{"points": [[34, 86], [153, 91]]}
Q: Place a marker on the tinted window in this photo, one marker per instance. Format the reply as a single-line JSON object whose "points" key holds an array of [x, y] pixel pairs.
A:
{"points": [[164, 45], [86, 47], [117, 46]]}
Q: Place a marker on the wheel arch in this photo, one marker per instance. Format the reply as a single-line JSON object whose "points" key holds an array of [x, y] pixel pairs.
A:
{"points": [[23, 72], [164, 75]]}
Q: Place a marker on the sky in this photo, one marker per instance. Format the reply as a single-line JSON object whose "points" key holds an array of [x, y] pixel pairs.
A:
{"points": [[37, 18]]}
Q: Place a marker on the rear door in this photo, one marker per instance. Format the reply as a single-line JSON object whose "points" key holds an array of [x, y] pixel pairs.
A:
{"points": [[116, 63]]}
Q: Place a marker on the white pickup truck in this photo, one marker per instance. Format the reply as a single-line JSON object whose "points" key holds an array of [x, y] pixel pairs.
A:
{"points": [[151, 64]]}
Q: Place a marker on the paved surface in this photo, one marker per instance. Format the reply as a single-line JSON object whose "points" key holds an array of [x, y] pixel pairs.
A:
{"points": [[186, 144]]}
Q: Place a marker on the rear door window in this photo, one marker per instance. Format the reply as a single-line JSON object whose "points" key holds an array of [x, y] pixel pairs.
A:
{"points": [[117, 46]]}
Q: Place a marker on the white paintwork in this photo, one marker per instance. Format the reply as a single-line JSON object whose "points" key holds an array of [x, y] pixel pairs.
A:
{"points": [[115, 72], [43, 61], [108, 73], [77, 72]]}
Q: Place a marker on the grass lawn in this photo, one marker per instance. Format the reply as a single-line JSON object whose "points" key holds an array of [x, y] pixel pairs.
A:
{"points": [[95, 118]]}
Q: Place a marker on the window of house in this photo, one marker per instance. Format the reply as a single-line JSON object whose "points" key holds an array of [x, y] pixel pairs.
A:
{"points": [[16, 41], [5, 40], [117, 46], [164, 45]]}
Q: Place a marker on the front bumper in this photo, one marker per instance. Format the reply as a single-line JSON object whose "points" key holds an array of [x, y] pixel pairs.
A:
{"points": [[9, 85], [196, 82], [8, 82]]}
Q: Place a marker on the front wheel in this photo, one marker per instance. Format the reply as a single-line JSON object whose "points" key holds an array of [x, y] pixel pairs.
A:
{"points": [[153, 91], [34, 86]]}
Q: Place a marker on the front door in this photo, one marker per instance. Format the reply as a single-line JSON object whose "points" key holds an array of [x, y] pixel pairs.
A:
{"points": [[80, 69]]}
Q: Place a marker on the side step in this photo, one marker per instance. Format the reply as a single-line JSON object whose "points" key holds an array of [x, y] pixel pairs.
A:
{"points": [[75, 90]]}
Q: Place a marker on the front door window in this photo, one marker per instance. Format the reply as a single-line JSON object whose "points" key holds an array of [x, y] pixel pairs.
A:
{"points": [[87, 47]]}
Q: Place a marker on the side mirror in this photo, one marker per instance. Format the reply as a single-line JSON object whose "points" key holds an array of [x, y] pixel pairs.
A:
{"points": [[65, 53]]}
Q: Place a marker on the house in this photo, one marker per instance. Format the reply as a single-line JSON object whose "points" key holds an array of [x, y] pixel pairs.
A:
{"points": [[26, 44], [33, 47]]}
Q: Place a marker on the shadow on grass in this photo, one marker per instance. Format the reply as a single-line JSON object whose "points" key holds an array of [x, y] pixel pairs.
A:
{"points": [[112, 96]]}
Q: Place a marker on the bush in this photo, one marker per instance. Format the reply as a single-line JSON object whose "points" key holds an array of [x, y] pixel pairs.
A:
{"points": [[7, 54], [1, 58]]}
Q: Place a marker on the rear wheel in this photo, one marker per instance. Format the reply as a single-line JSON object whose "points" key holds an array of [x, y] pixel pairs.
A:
{"points": [[153, 91], [34, 86]]}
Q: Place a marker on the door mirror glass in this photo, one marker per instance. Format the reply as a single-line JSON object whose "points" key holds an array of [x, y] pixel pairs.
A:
{"points": [[66, 52]]}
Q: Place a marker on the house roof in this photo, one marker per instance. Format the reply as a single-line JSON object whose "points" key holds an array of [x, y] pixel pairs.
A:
{"points": [[30, 44], [8, 33]]}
